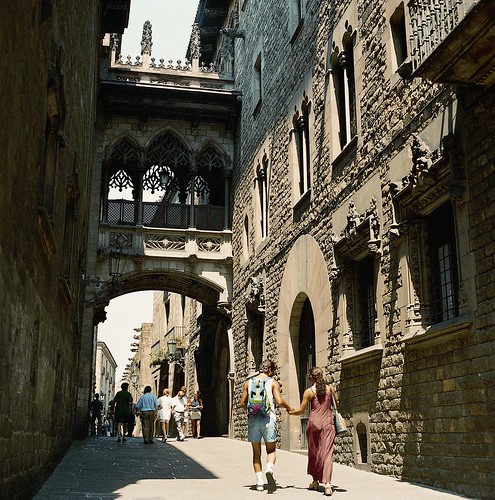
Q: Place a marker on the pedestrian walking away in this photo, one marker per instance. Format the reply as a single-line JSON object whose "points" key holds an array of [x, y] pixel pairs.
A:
{"points": [[123, 402], [165, 412], [148, 407], [111, 418], [179, 406], [259, 395], [96, 408], [320, 430], [195, 409]]}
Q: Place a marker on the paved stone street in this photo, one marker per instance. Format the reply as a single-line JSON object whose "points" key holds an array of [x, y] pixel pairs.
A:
{"points": [[218, 468]]}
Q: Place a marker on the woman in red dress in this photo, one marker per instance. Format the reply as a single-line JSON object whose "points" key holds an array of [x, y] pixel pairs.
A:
{"points": [[320, 430]]}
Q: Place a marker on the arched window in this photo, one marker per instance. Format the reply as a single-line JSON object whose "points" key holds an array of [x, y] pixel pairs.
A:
{"points": [[342, 69], [167, 153], [210, 186], [120, 181]]}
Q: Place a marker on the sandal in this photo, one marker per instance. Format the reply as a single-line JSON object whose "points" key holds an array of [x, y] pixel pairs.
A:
{"points": [[328, 490], [314, 486]]}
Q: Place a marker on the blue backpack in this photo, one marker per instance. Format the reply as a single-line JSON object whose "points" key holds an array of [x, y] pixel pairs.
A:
{"points": [[258, 402]]}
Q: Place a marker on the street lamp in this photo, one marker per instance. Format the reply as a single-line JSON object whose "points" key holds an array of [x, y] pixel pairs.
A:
{"points": [[115, 271], [114, 263]]}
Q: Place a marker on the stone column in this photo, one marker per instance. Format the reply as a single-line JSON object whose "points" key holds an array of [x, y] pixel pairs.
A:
{"points": [[194, 173]]}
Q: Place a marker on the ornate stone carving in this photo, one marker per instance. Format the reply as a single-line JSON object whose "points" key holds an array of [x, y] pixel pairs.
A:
{"points": [[233, 33], [146, 40], [195, 43], [225, 308], [255, 297]]}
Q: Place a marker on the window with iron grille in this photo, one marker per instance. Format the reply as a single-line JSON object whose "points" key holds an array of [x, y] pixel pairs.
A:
{"points": [[366, 302], [442, 260]]}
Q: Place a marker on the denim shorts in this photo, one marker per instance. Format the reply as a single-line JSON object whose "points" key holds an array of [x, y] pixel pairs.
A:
{"points": [[261, 426]]}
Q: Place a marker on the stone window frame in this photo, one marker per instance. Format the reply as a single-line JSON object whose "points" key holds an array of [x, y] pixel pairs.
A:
{"points": [[435, 179], [360, 239], [297, 13], [342, 81], [301, 133], [396, 12]]}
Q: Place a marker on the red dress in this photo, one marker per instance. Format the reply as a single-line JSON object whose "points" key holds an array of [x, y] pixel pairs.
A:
{"points": [[321, 434]]}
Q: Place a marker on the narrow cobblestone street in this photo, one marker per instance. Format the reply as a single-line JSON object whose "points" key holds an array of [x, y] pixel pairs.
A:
{"points": [[217, 468]]}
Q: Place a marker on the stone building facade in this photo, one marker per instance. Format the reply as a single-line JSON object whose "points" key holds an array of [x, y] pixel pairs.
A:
{"points": [[49, 71], [105, 367], [362, 227]]}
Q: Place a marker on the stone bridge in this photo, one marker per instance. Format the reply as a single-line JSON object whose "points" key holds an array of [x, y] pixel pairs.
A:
{"points": [[196, 263]]}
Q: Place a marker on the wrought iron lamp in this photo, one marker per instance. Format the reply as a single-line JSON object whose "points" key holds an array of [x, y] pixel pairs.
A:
{"points": [[115, 266], [175, 355], [134, 378]]}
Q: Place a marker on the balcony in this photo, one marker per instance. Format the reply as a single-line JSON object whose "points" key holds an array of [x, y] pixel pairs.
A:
{"points": [[452, 41], [166, 215]]}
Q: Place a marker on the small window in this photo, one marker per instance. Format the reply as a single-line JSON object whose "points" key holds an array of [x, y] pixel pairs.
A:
{"points": [[399, 38], [262, 182], [245, 238], [442, 258], [257, 83]]}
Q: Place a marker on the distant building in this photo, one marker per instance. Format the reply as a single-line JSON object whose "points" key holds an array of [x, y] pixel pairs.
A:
{"points": [[105, 373]]}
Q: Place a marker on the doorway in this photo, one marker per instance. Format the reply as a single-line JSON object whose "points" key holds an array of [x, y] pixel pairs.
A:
{"points": [[307, 359]]}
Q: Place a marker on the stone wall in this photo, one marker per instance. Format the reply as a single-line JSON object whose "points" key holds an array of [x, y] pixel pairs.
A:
{"points": [[424, 404], [49, 72]]}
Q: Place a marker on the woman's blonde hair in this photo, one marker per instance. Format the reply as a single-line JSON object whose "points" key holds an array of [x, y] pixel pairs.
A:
{"points": [[166, 392], [316, 374]]}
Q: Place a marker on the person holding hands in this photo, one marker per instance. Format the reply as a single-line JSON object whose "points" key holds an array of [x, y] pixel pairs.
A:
{"points": [[320, 430]]}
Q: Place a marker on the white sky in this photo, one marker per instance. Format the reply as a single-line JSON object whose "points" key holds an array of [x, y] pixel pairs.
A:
{"points": [[171, 22], [171, 25]]}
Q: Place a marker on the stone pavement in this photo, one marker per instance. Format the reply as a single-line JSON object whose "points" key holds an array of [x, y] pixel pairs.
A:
{"points": [[216, 468]]}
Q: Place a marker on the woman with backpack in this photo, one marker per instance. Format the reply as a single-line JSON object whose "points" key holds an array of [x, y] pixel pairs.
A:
{"points": [[259, 395]]}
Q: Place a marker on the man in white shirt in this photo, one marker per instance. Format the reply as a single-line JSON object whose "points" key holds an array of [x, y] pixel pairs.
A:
{"points": [[179, 404]]}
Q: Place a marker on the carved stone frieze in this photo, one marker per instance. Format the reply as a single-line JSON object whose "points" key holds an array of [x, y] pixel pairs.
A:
{"points": [[362, 232]]}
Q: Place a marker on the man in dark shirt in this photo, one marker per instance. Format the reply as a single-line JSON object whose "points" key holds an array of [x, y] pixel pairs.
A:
{"points": [[95, 408], [123, 401]]}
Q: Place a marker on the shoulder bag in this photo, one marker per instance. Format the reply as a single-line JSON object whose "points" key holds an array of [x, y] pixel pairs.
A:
{"points": [[340, 425]]}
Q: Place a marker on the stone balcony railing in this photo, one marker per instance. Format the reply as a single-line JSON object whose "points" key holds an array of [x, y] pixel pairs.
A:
{"points": [[449, 40], [141, 242], [160, 73]]}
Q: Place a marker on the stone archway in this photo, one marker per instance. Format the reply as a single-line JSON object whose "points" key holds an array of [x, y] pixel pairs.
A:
{"points": [[305, 275]]}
